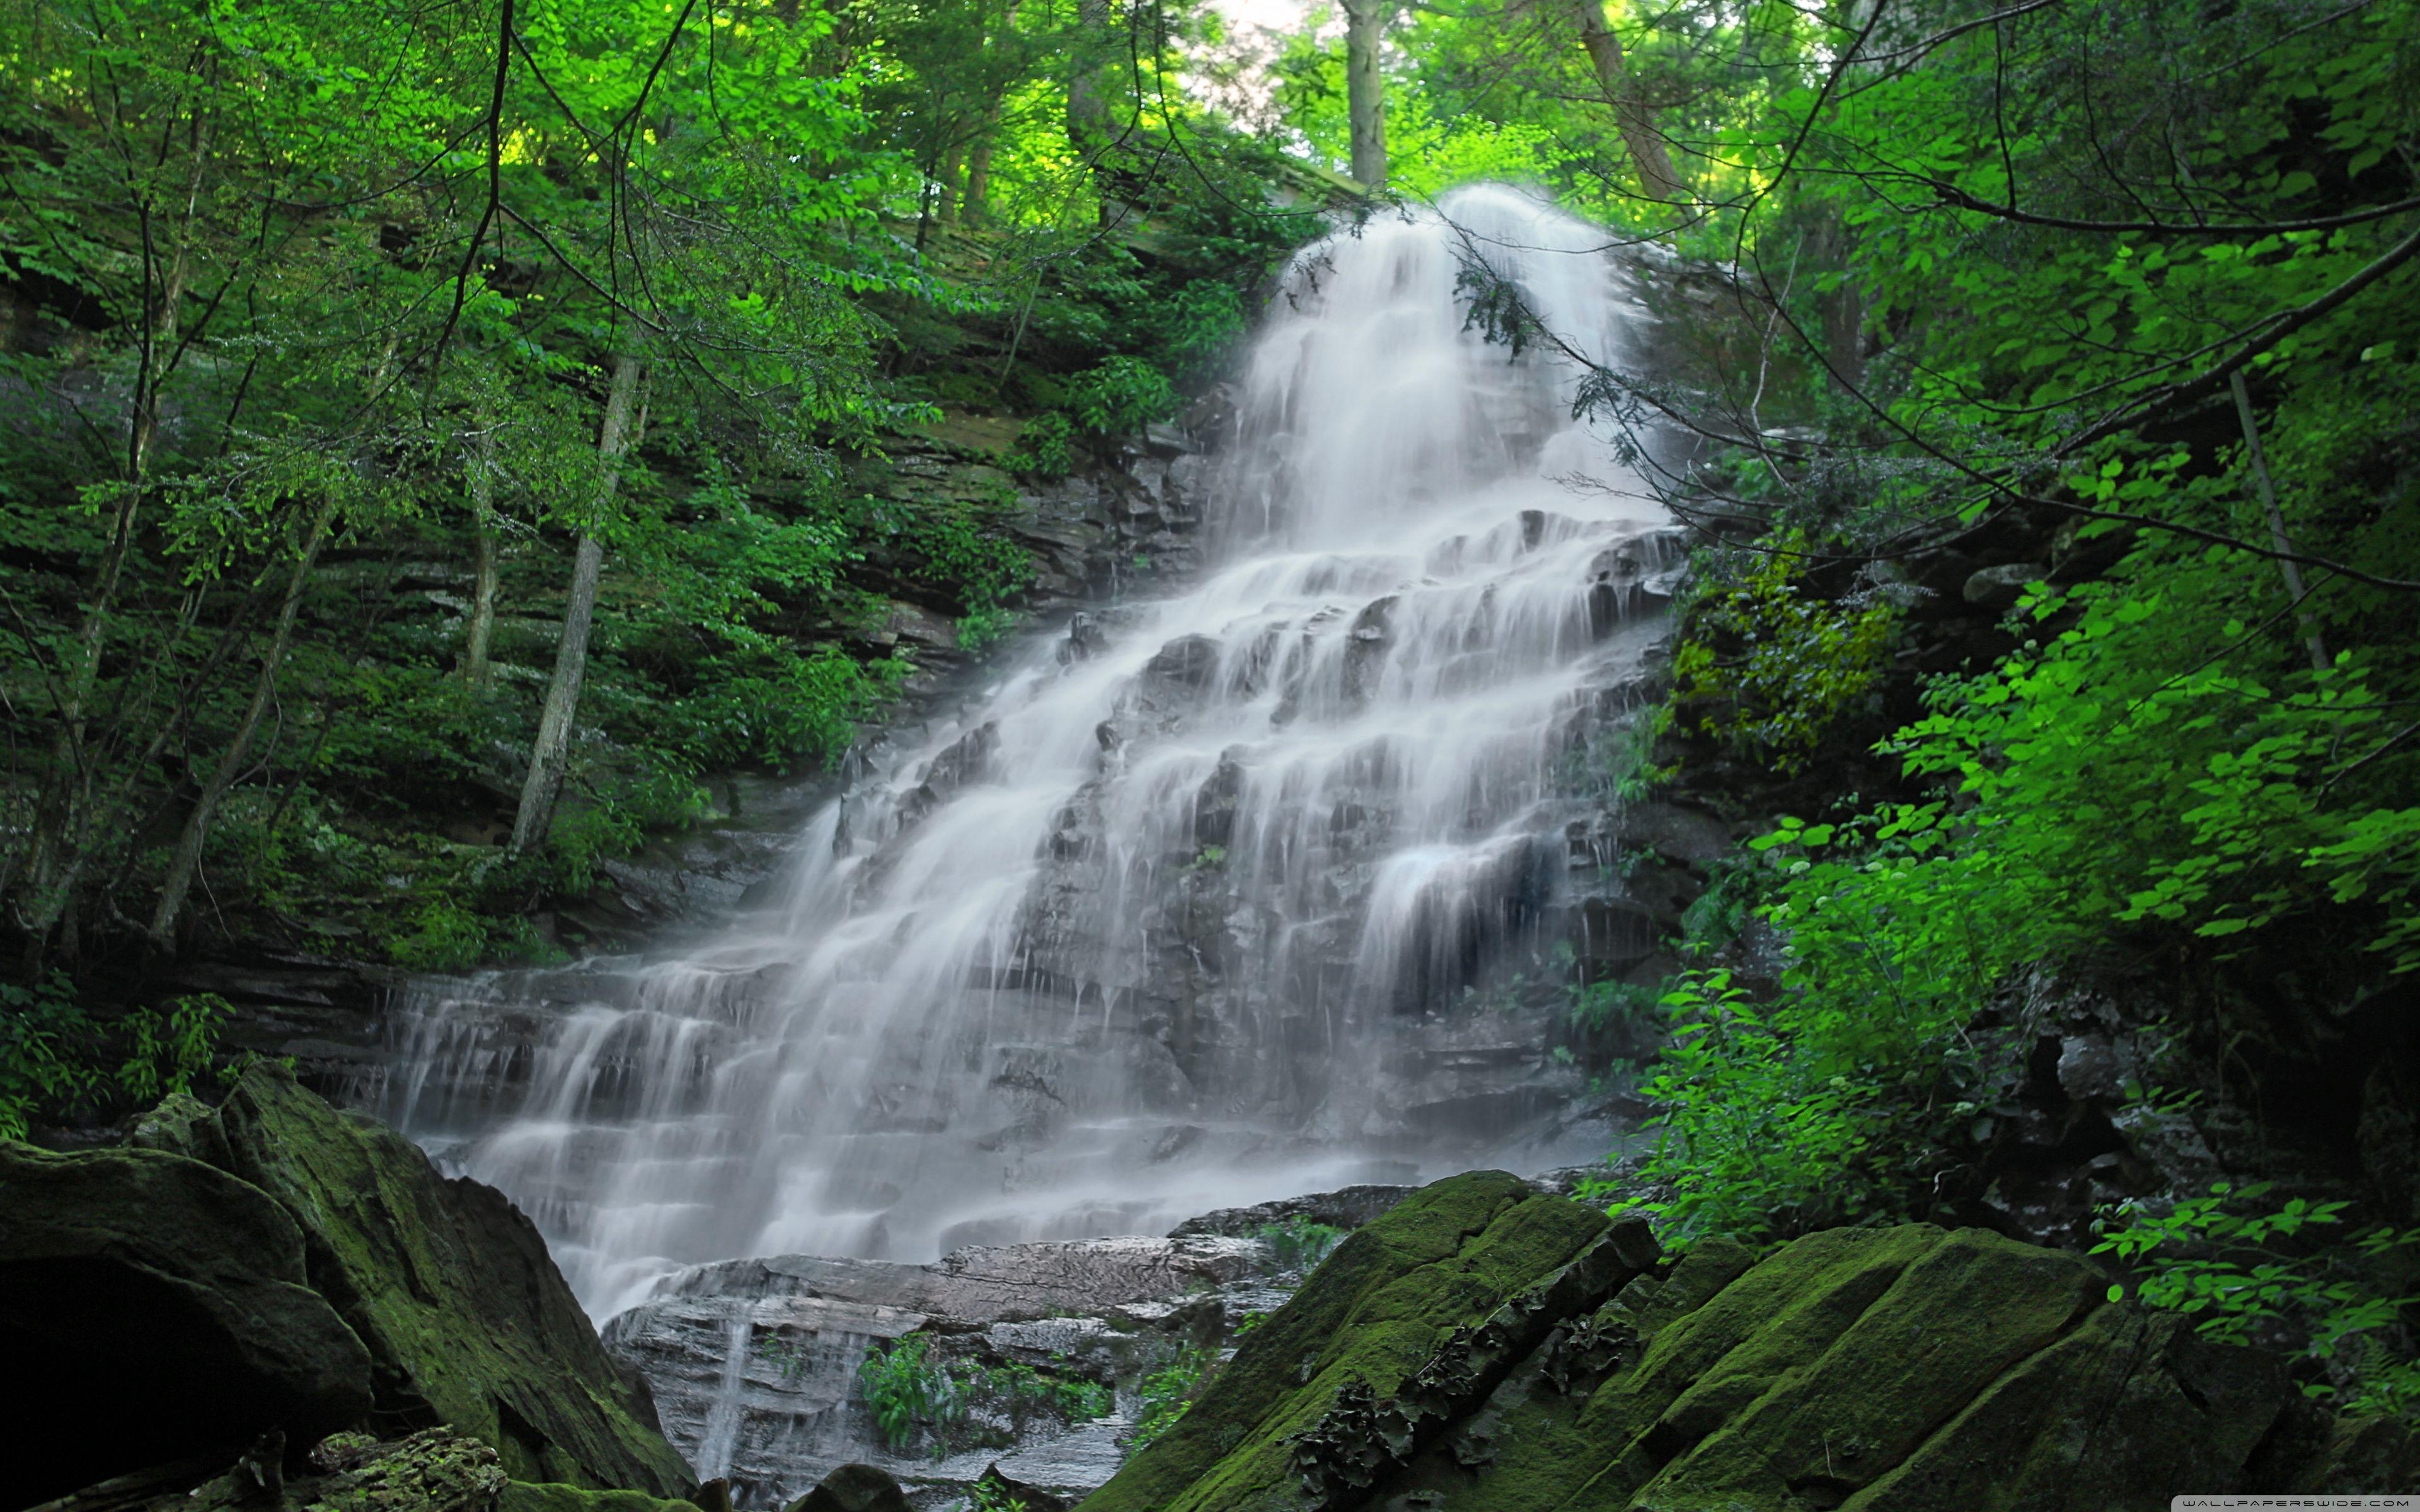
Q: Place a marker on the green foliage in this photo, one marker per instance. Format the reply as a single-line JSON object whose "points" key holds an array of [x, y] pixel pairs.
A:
{"points": [[811, 227], [169, 1052], [59, 1062], [45, 1059], [1045, 447], [2241, 1276], [988, 1496], [1630, 769], [1598, 1006], [1298, 1244], [904, 1388], [1122, 394], [1167, 1393], [1783, 1116], [2092, 796], [962, 550], [1769, 668], [909, 1386]]}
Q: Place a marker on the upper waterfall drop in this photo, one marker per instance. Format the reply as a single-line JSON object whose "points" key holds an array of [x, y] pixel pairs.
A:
{"points": [[1186, 912]]}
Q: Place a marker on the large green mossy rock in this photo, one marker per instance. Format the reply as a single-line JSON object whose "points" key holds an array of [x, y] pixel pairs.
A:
{"points": [[467, 1320], [1419, 1311], [153, 1309], [1466, 1358], [557, 1497], [431, 1470]]}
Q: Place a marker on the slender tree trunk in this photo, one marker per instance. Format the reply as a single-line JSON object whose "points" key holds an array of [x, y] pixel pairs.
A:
{"points": [[1841, 308], [64, 787], [1365, 88], [1656, 178], [976, 206], [952, 163], [550, 756], [1088, 108], [237, 754], [481, 627], [2278, 539]]}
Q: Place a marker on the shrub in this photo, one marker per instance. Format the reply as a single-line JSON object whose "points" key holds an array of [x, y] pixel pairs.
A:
{"points": [[1298, 1244], [2234, 1274], [55, 1060], [1167, 1393], [1768, 669], [1122, 394]]}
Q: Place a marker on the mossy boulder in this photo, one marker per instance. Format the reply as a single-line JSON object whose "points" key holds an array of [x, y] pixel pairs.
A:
{"points": [[1486, 1349], [153, 1309], [1419, 1311], [553, 1496], [468, 1322], [855, 1488], [431, 1470]]}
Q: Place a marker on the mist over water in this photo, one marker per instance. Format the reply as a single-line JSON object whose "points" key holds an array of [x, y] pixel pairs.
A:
{"points": [[1187, 911]]}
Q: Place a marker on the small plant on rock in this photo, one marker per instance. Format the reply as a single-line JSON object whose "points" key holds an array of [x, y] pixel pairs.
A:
{"points": [[2239, 1275], [1298, 1244], [904, 1385], [1167, 1393]]}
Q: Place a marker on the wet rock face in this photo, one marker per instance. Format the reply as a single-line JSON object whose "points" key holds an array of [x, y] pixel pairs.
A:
{"points": [[754, 1363], [1348, 1209], [1488, 1347], [151, 1309]]}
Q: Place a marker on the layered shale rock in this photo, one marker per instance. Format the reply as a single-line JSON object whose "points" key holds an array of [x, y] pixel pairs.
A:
{"points": [[757, 1362]]}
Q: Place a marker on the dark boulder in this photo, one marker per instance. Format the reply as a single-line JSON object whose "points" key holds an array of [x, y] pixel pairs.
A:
{"points": [[467, 1320], [154, 1309], [1182, 670], [854, 1489]]}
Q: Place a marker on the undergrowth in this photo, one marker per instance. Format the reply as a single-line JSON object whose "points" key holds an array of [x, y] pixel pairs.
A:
{"points": [[59, 1062], [910, 1387]]}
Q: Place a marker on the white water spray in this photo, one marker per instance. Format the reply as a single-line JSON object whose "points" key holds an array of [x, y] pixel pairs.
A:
{"points": [[1185, 913]]}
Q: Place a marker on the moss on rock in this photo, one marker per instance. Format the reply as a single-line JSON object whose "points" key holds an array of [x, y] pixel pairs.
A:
{"points": [[152, 1307], [1906, 1369], [467, 1320], [554, 1496], [1362, 1327]]}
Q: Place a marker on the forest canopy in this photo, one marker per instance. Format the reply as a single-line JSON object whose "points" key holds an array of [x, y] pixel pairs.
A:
{"points": [[428, 427]]}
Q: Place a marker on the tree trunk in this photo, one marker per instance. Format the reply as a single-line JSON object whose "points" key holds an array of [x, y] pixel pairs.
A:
{"points": [[1656, 178], [1365, 88], [976, 206], [237, 754], [947, 212], [552, 754], [482, 628], [64, 785], [2278, 540], [1087, 107]]}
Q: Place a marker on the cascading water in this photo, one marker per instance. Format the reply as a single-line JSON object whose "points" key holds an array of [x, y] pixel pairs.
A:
{"points": [[1186, 912]]}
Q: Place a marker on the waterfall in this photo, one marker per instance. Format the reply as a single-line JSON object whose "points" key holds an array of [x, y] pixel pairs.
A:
{"points": [[1211, 899]]}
